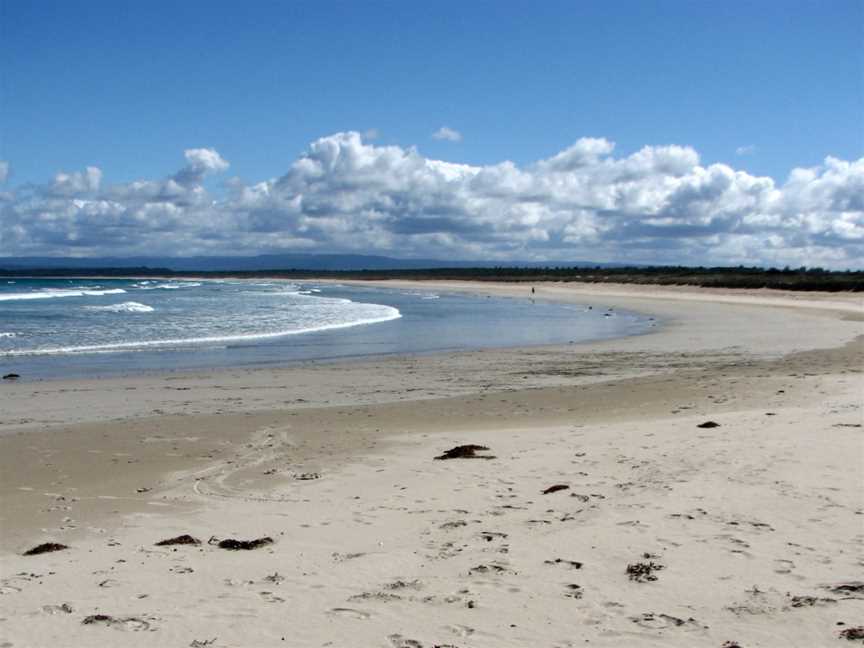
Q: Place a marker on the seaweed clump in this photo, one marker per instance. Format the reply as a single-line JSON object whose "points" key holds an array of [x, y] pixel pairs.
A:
{"points": [[643, 572], [45, 547], [244, 545], [468, 451], [184, 539]]}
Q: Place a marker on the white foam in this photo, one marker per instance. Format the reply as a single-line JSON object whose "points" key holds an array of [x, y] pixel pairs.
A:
{"points": [[98, 293], [391, 314], [55, 294], [178, 285], [125, 307], [7, 335]]}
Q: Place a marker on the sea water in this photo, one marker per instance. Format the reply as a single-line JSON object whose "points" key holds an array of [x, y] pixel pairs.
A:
{"points": [[75, 327]]}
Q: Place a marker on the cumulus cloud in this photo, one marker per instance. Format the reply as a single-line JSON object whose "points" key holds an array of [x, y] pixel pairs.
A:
{"points": [[447, 134], [199, 162], [73, 184], [346, 194], [4, 171]]}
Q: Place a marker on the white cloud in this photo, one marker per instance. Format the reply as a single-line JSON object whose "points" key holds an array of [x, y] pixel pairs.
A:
{"points": [[749, 149], [4, 171], [73, 184], [199, 162], [448, 134], [659, 204]]}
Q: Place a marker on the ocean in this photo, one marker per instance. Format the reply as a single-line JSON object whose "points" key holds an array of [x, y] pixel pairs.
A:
{"points": [[53, 328]]}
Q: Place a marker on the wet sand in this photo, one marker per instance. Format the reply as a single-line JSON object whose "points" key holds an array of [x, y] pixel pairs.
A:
{"points": [[750, 532]]}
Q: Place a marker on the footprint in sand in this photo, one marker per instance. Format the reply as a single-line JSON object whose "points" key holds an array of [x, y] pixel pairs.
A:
{"points": [[783, 566], [128, 623], [270, 597], [398, 641], [460, 630], [350, 612], [661, 621]]}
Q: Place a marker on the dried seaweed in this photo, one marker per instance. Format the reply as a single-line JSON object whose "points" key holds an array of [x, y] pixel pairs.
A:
{"points": [[555, 488], [244, 545], [45, 547], [465, 452], [642, 572], [184, 539]]}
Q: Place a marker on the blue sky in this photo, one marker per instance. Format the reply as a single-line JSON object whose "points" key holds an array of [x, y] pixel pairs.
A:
{"points": [[763, 87], [124, 86]]}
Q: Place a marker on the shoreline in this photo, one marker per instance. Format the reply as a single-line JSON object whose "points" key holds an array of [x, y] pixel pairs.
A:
{"points": [[273, 349], [369, 429], [638, 298], [671, 308]]}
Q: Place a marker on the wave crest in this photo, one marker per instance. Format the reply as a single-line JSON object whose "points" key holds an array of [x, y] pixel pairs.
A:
{"points": [[55, 294], [390, 313], [125, 307]]}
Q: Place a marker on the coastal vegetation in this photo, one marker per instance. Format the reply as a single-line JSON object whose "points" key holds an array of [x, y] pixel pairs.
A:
{"points": [[803, 278]]}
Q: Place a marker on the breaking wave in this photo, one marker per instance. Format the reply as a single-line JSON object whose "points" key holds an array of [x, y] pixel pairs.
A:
{"points": [[125, 307]]}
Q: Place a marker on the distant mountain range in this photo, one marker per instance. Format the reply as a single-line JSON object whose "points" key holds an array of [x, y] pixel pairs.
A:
{"points": [[275, 262]]}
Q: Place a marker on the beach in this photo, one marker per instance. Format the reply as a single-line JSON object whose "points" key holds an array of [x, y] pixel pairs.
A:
{"points": [[704, 489]]}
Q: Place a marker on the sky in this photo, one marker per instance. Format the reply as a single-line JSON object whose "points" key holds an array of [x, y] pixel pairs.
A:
{"points": [[669, 132]]}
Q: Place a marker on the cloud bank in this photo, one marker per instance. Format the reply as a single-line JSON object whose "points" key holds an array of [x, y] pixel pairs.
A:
{"points": [[344, 194]]}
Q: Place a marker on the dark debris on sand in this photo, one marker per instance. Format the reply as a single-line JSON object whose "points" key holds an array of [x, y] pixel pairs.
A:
{"points": [[852, 589], [465, 452], [486, 569], [201, 643], [852, 634], [575, 564], [184, 539], [45, 547], [573, 591], [244, 545], [307, 476], [810, 601], [555, 488], [708, 424], [642, 572]]}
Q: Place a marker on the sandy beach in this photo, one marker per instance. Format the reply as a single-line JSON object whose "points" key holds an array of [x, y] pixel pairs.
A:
{"points": [[699, 485]]}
